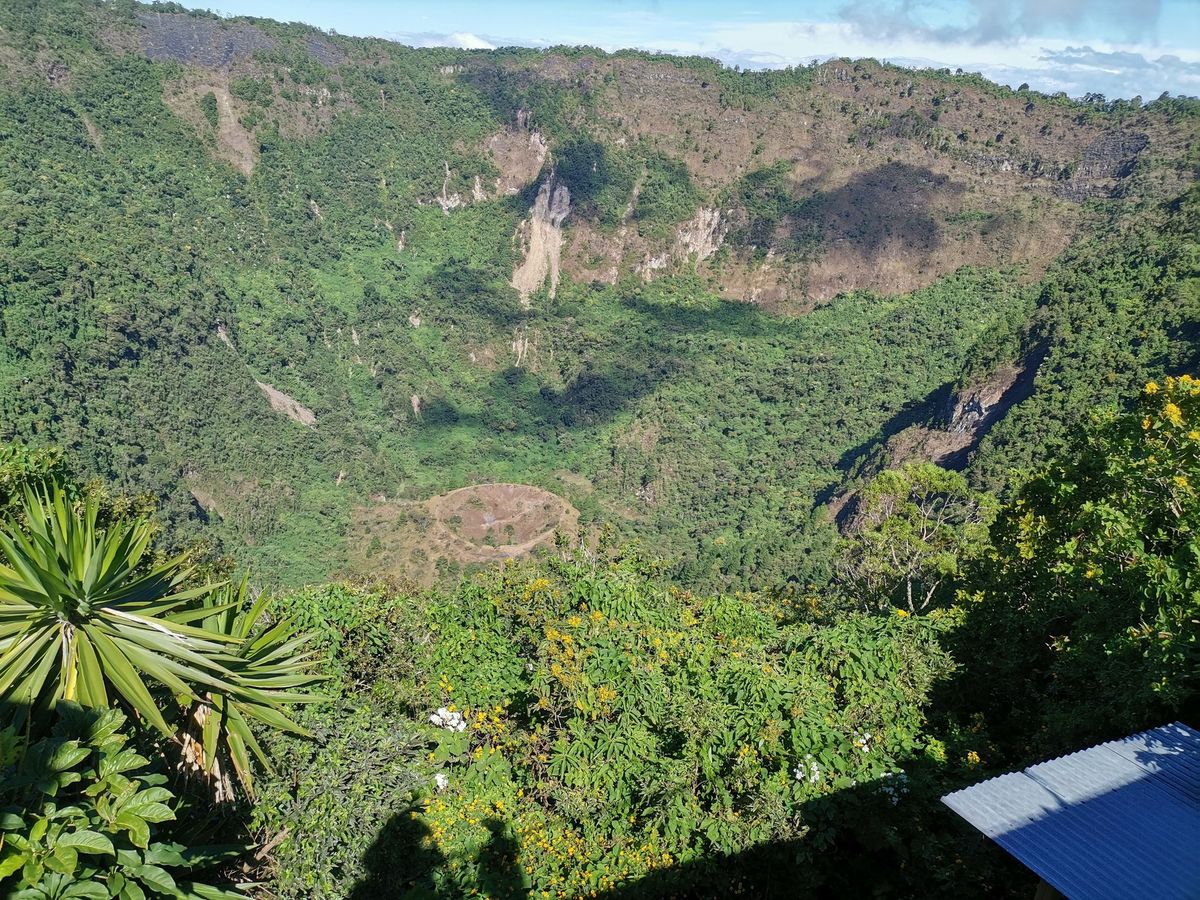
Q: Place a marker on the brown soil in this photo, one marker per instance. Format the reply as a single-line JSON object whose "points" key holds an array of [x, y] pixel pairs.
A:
{"points": [[233, 143], [518, 155], [288, 405], [894, 161], [476, 525]]}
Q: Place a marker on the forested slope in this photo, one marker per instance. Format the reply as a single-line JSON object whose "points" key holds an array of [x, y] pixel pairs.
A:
{"points": [[305, 340], [295, 285]]}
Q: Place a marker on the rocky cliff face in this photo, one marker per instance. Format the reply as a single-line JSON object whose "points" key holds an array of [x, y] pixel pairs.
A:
{"points": [[881, 178], [1105, 165], [540, 238], [967, 416]]}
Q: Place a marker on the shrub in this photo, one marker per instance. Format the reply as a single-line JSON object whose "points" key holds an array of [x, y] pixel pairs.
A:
{"points": [[1083, 623], [336, 792], [616, 727], [88, 615], [82, 816]]}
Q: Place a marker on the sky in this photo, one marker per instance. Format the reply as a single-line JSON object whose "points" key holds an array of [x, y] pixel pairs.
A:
{"points": [[1119, 48]]}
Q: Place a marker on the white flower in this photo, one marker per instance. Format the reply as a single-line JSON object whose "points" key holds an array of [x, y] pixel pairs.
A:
{"points": [[808, 770], [441, 781], [894, 789], [451, 721]]}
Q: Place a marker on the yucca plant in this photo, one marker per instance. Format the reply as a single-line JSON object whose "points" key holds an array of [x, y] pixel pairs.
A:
{"points": [[81, 617], [87, 616], [271, 667]]}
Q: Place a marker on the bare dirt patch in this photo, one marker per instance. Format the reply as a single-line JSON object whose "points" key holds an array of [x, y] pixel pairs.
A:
{"points": [[518, 156], [233, 142], [288, 405], [541, 238], [477, 525]]}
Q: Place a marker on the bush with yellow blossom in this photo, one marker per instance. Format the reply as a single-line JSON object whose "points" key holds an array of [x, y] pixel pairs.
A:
{"points": [[1085, 622], [618, 727]]}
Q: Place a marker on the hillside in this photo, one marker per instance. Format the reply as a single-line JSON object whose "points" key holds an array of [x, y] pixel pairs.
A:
{"points": [[300, 286]]}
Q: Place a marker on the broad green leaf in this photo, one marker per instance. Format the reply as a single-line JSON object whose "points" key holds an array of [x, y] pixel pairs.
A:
{"points": [[87, 842]]}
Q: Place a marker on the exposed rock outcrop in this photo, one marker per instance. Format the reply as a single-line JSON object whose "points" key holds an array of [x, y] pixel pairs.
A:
{"points": [[701, 235], [211, 43], [448, 201], [541, 238], [1105, 162], [289, 406], [698, 238], [967, 416]]}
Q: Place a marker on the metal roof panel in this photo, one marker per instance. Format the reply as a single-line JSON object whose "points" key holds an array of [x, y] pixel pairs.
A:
{"points": [[1117, 820]]}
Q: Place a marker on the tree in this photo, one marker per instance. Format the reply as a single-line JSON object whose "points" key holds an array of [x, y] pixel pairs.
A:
{"points": [[1084, 622], [87, 615], [915, 527]]}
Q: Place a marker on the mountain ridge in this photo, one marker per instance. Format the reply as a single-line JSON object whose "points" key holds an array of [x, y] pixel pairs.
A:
{"points": [[757, 272]]}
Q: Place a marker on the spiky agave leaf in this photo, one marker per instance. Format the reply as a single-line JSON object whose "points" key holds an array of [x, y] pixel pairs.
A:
{"points": [[271, 668], [82, 618]]}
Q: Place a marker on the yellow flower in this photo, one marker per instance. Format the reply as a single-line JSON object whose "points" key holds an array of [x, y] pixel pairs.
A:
{"points": [[1151, 387], [973, 757], [1182, 481], [1194, 435], [1145, 423], [1173, 413], [902, 613]]}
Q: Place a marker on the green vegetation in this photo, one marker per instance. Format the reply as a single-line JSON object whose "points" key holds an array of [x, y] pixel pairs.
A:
{"points": [[581, 724], [88, 616], [1092, 583], [777, 635], [711, 431], [83, 814], [918, 526], [667, 194], [208, 106]]}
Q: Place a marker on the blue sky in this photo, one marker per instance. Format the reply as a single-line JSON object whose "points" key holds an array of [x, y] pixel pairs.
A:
{"points": [[1115, 47]]}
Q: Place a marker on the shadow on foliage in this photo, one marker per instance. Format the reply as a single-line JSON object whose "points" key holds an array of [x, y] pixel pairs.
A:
{"points": [[867, 455], [860, 845], [724, 318], [594, 397], [884, 206], [875, 210], [460, 285], [403, 862], [71, 766]]}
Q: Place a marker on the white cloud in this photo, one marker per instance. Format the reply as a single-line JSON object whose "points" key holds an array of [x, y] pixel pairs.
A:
{"points": [[466, 41], [1000, 21], [463, 40]]}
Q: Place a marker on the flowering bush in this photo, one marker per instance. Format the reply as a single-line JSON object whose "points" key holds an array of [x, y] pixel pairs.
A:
{"points": [[1083, 624], [615, 727]]}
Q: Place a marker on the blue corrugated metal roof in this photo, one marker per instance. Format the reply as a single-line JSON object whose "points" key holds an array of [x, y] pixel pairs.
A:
{"points": [[1117, 820]]}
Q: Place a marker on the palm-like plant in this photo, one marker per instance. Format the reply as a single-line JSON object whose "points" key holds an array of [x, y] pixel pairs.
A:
{"points": [[270, 666], [85, 614]]}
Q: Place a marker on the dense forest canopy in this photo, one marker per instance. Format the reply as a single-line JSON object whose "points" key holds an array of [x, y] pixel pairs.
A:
{"points": [[434, 473], [266, 274]]}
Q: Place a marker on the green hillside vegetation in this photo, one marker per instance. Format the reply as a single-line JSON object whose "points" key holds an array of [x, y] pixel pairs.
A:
{"points": [[148, 284], [430, 473], [582, 726]]}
